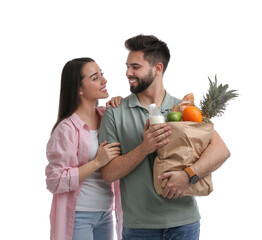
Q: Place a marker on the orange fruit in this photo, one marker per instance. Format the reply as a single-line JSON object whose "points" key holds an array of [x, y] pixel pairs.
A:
{"points": [[193, 114]]}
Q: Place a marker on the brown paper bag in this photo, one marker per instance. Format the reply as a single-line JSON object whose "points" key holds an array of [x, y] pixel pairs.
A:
{"points": [[186, 144]]}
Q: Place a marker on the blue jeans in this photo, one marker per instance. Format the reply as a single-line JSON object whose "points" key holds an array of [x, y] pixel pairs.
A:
{"points": [[185, 232], [93, 226]]}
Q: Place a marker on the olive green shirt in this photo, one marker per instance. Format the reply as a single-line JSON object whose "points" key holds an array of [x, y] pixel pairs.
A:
{"points": [[142, 206]]}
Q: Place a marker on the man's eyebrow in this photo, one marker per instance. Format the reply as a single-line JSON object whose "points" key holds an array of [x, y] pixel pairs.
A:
{"points": [[134, 64]]}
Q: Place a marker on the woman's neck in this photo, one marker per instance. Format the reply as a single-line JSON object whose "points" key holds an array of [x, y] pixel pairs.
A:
{"points": [[87, 113]]}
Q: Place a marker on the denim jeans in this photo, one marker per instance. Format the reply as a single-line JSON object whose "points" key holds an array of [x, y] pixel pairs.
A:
{"points": [[93, 226], [185, 232]]}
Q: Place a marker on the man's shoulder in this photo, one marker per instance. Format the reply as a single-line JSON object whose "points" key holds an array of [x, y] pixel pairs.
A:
{"points": [[126, 100], [117, 110], [112, 119], [170, 101], [175, 99]]}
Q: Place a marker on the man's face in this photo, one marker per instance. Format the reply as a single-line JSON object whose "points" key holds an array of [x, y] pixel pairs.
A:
{"points": [[139, 72]]}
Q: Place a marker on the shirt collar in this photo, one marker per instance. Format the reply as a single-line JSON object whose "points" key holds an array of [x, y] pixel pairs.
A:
{"points": [[166, 105], [77, 121], [133, 101], [81, 124]]}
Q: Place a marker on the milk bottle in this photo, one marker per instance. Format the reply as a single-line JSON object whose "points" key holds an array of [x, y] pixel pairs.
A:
{"points": [[155, 115]]}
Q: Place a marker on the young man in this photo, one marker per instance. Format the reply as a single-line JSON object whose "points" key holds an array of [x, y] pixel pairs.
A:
{"points": [[147, 215]]}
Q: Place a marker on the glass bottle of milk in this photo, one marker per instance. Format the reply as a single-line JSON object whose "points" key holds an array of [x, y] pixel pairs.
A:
{"points": [[155, 116]]}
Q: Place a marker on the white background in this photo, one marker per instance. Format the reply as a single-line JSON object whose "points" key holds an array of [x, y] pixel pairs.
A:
{"points": [[205, 38]]}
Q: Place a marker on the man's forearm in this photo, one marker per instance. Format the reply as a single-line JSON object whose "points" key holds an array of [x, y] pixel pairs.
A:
{"points": [[213, 157], [123, 164], [154, 137]]}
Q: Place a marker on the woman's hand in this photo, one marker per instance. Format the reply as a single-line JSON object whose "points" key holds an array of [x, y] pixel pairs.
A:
{"points": [[114, 102], [107, 152]]}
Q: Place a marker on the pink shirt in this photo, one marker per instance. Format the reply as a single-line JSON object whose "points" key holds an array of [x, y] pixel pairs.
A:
{"points": [[68, 149]]}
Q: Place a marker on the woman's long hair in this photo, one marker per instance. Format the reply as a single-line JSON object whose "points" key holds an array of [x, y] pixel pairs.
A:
{"points": [[71, 81]]}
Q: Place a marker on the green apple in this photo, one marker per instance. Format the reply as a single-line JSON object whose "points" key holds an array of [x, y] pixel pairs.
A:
{"points": [[174, 116]]}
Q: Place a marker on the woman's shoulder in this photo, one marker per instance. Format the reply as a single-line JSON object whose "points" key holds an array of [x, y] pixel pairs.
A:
{"points": [[101, 110], [65, 127]]}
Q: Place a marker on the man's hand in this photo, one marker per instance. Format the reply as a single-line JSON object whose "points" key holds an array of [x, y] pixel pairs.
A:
{"points": [[178, 183], [155, 136]]}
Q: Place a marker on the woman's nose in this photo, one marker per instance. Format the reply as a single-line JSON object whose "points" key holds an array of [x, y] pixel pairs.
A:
{"points": [[104, 81]]}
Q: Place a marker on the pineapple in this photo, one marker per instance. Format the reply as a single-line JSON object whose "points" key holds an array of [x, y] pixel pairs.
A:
{"points": [[215, 102]]}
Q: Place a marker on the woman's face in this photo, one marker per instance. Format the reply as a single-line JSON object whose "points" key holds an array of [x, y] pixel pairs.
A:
{"points": [[93, 84]]}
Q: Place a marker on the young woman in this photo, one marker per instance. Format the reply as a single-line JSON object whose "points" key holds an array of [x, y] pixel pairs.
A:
{"points": [[82, 201]]}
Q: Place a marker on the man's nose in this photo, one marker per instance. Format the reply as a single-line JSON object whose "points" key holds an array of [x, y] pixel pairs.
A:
{"points": [[129, 72]]}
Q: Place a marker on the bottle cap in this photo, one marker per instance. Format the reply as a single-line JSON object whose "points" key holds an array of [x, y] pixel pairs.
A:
{"points": [[152, 107]]}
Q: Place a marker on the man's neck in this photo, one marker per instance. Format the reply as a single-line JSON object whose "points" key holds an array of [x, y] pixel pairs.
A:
{"points": [[152, 95]]}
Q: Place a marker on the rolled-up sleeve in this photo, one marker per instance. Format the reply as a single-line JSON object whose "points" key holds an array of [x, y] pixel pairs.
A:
{"points": [[62, 173]]}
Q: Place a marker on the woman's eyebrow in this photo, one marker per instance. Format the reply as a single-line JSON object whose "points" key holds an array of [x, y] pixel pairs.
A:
{"points": [[93, 74]]}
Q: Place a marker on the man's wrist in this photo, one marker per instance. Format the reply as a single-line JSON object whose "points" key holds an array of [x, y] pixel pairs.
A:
{"points": [[142, 150], [193, 178]]}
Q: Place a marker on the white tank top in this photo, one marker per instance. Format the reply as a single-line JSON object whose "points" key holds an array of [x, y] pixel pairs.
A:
{"points": [[95, 194]]}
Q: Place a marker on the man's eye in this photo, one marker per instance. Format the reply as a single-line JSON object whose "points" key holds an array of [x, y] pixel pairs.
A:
{"points": [[136, 67], [102, 74], [95, 78]]}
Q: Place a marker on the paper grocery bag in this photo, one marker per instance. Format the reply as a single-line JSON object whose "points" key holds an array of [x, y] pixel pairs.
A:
{"points": [[186, 144]]}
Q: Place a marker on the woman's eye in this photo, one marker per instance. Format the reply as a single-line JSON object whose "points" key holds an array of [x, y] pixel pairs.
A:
{"points": [[97, 76]]}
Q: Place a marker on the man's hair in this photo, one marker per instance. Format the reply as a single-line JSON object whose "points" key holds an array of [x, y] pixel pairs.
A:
{"points": [[154, 49]]}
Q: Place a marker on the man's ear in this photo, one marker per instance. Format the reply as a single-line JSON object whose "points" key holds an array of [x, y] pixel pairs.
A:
{"points": [[159, 68], [81, 92]]}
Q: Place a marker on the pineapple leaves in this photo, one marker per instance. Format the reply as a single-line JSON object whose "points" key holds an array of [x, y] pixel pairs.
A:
{"points": [[216, 99]]}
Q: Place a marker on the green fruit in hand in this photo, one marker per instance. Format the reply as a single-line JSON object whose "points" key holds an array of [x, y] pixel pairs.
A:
{"points": [[174, 116]]}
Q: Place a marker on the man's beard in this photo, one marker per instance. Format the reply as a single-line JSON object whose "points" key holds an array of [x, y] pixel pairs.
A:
{"points": [[143, 83]]}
